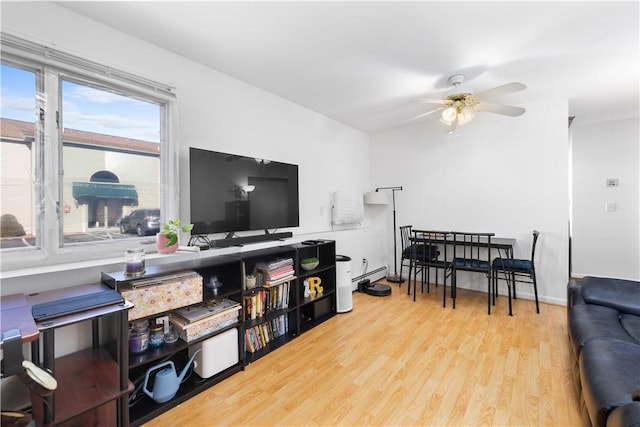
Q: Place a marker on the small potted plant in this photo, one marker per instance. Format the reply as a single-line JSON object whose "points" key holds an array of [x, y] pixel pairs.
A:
{"points": [[167, 238], [309, 264]]}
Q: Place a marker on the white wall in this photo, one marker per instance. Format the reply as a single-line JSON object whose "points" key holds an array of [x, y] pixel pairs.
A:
{"points": [[606, 243], [497, 174], [215, 112]]}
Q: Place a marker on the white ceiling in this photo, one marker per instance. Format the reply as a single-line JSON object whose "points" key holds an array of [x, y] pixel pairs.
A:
{"points": [[362, 62]]}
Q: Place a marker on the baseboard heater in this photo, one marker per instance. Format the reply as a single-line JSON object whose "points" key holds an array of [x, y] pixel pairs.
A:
{"points": [[373, 275]]}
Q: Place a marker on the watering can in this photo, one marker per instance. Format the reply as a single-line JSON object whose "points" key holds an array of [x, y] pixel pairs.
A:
{"points": [[166, 382]]}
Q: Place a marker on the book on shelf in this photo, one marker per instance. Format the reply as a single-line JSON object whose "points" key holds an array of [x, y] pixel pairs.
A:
{"points": [[276, 270], [266, 301], [260, 336], [274, 265], [272, 283]]}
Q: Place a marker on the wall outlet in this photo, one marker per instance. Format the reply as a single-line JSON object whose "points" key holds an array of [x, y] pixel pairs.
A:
{"points": [[612, 182]]}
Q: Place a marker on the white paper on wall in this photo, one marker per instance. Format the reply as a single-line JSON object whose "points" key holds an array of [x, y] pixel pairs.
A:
{"points": [[348, 207]]}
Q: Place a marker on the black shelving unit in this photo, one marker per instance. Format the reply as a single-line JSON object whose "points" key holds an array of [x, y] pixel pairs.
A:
{"points": [[317, 308], [228, 270], [260, 336], [300, 315], [143, 409]]}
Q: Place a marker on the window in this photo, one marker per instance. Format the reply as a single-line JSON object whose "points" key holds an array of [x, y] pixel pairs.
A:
{"points": [[111, 160], [17, 153], [83, 147]]}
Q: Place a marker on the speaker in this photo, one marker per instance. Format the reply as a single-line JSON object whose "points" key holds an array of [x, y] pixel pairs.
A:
{"points": [[239, 241]]}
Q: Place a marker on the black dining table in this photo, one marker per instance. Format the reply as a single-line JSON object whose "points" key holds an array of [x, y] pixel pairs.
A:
{"points": [[504, 246]]}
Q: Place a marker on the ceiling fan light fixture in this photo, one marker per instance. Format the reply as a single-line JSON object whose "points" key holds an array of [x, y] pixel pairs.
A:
{"points": [[459, 105], [449, 114], [466, 115]]}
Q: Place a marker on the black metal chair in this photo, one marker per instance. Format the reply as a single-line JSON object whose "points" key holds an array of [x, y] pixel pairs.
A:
{"points": [[517, 270], [472, 252], [427, 255], [405, 256]]}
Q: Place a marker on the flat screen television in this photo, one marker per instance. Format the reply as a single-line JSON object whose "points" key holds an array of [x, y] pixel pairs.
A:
{"points": [[232, 193]]}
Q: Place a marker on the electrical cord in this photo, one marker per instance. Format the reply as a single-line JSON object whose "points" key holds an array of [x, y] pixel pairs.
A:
{"points": [[199, 240]]}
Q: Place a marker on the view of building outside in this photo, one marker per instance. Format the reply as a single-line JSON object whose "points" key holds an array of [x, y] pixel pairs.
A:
{"points": [[17, 191], [110, 159]]}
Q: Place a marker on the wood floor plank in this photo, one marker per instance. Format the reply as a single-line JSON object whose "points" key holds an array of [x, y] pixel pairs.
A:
{"points": [[395, 362]]}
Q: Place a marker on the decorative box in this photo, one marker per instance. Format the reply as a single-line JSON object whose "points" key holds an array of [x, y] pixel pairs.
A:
{"points": [[191, 331], [163, 293]]}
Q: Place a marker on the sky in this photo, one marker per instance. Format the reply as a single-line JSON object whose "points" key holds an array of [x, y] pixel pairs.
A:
{"points": [[84, 108]]}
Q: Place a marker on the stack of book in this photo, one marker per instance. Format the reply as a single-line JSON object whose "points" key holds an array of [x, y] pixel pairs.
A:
{"points": [[275, 272], [267, 300], [200, 320], [259, 336]]}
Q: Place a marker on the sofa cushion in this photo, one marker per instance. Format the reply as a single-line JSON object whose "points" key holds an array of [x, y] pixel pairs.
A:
{"points": [[631, 325], [610, 374], [623, 295], [625, 416], [590, 321]]}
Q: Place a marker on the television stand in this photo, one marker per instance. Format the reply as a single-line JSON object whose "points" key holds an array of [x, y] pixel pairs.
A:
{"points": [[239, 241]]}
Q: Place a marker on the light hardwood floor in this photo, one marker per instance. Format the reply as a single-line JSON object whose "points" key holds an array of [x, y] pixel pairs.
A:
{"points": [[395, 362]]}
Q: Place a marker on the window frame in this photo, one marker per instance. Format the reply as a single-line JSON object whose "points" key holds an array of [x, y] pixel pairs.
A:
{"points": [[51, 68]]}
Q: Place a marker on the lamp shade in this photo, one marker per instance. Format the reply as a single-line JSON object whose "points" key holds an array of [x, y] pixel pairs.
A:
{"points": [[376, 198]]}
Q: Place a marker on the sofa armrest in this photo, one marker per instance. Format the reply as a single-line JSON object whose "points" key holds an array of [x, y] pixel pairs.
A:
{"points": [[574, 293], [621, 294]]}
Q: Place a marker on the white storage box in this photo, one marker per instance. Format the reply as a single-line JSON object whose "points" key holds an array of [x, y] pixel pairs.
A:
{"points": [[218, 353]]}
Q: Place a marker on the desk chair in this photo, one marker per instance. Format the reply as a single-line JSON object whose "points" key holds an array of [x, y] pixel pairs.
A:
{"points": [[427, 255], [517, 270], [472, 252]]}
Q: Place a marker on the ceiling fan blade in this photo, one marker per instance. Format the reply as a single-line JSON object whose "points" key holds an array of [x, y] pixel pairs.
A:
{"points": [[505, 110], [500, 90], [425, 114], [430, 101]]}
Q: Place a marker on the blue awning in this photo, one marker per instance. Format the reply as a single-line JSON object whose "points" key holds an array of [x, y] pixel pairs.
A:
{"points": [[87, 191]]}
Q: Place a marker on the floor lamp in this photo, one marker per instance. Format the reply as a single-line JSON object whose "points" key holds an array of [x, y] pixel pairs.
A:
{"points": [[395, 277]]}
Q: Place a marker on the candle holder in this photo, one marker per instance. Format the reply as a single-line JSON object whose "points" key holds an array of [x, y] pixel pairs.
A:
{"points": [[134, 262], [250, 281]]}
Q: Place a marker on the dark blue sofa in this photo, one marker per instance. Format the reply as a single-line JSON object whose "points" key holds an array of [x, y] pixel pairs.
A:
{"points": [[603, 317]]}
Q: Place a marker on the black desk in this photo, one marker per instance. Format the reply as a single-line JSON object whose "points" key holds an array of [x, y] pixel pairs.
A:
{"points": [[90, 379]]}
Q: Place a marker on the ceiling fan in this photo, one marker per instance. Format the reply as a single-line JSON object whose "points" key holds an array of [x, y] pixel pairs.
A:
{"points": [[460, 105]]}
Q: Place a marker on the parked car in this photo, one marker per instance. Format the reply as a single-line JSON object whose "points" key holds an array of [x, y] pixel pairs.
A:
{"points": [[141, 221]]}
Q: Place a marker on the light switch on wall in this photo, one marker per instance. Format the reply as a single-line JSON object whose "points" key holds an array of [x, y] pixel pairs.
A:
{"points": [[610, 207]]}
